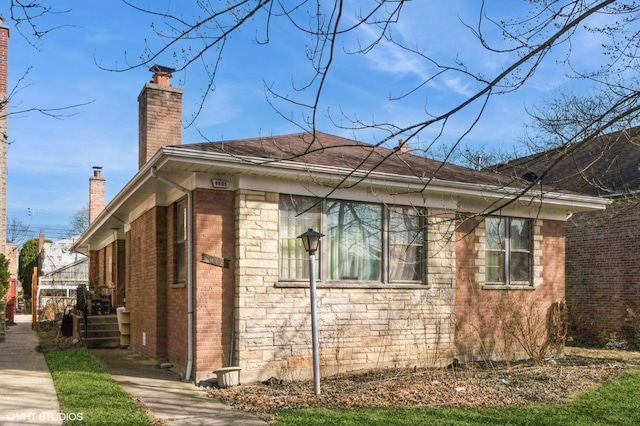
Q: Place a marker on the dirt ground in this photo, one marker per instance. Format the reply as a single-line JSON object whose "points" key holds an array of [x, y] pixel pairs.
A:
{"points": [[477, 384]]}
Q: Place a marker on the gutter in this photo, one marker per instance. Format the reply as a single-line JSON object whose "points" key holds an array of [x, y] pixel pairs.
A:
{"points": [[190, 339], [387, 180]]}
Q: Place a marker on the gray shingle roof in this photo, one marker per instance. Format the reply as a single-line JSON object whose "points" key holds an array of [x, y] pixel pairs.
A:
{"points": [[602, 166], [329, 150]]}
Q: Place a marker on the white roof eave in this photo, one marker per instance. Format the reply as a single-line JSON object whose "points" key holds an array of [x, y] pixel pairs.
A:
{"points": [[222, 162]]}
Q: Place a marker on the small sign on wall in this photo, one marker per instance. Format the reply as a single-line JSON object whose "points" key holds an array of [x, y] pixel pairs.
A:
{"points": [[215, 261], [223, 184]]}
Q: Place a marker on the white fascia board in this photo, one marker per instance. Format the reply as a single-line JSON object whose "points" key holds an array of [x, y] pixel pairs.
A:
{"points": [[403, 184]]}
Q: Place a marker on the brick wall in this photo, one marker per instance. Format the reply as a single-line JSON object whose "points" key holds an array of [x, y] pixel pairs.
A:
{"points": [[359, 328], [214, 227], [97, 194], [107, 267], [119, 267], [176, 303], [480, 312], [159, 121], [4, 67], [603, 271], [94, 268], [147, 283]]}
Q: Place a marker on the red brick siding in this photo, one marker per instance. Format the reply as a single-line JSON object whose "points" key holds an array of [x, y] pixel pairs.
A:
{"points": [[603, 271], [478, 310], [553, 261], [94, 268], [97, 195], [108, 266], [4, 60], [147, 289], [119, 267], [160, 119], [4, 70], [214, 296], [177, 338]]}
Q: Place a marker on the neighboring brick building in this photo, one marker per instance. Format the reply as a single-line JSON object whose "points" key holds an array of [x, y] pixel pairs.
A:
{"points": [[204, 242], [4, 77], [602, 266]]}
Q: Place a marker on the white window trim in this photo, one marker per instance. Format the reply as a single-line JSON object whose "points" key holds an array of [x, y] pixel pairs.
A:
{"points": [[536, 259]]}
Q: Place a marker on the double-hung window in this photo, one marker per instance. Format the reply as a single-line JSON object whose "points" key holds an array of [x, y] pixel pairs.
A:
{"points": [[297, 215], [508, 251], [406, 244], [363, 242], [180, 243]]}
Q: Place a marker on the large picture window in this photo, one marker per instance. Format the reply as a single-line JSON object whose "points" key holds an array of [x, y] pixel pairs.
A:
{"points": [[363, 242], [508, 251]]}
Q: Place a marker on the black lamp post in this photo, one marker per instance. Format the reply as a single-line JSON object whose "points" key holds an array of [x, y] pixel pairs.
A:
{"points": [[311, 241]]}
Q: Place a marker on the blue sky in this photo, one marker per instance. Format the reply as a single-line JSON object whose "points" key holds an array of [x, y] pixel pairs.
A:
{"points": [[50, 160]]}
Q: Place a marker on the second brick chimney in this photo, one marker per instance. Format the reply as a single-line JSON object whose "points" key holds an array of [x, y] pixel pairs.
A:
{"points": [[159, 114], [96, 194]]}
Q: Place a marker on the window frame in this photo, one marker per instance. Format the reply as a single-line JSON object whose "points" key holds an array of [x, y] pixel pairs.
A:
{"points": [[322, 256], [505, 235], [180, 241]]}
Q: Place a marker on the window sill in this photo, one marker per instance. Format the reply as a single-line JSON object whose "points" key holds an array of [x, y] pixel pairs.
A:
{"points": [[507, 287], [353, 285], [178, 285]]}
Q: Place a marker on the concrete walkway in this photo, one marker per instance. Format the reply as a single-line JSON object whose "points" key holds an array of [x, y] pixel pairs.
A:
{"points": [[28, 395], [172, 401]]}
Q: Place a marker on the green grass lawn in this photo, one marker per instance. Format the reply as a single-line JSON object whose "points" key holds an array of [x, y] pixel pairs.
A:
{"points": [[88, 395], [614, 403]]}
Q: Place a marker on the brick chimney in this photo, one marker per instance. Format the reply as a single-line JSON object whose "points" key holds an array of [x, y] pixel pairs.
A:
{"points": [[159, 114], [96, 194], [40, 241], [4, 75]]}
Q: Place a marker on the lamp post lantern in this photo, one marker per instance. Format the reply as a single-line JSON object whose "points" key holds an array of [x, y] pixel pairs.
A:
{"points": [[311, 241]]}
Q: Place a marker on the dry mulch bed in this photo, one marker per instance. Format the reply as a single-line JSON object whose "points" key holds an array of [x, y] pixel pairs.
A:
{"points": [[463, 386]]}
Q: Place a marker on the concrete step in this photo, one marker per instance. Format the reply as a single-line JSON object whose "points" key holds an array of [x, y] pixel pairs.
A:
{"points": [[102, 331], [100, 326]]}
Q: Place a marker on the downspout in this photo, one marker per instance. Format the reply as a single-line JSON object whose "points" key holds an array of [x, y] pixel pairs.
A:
{"points": [[163, 179]]}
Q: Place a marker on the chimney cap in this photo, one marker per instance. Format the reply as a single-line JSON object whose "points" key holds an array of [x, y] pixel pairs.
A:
{"points": [[161, 75], [162, 70]]}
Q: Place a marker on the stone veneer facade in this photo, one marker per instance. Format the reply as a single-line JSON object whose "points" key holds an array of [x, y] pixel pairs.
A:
{"points": [[359, 328], [363, 327]]}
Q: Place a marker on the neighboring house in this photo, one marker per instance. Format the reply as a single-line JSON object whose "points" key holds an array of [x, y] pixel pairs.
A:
{"points": [[57, 289], [61, 272], [57, 254], [603, 271], [202, 243]]}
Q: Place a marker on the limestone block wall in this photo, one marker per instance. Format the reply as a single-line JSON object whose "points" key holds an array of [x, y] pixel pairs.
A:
{"points": [[359, 328]]}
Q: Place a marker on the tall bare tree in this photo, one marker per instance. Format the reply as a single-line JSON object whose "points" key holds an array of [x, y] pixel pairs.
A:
{"points": [[17, 231], [537, 32], [521, 37], [79, 223]]}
